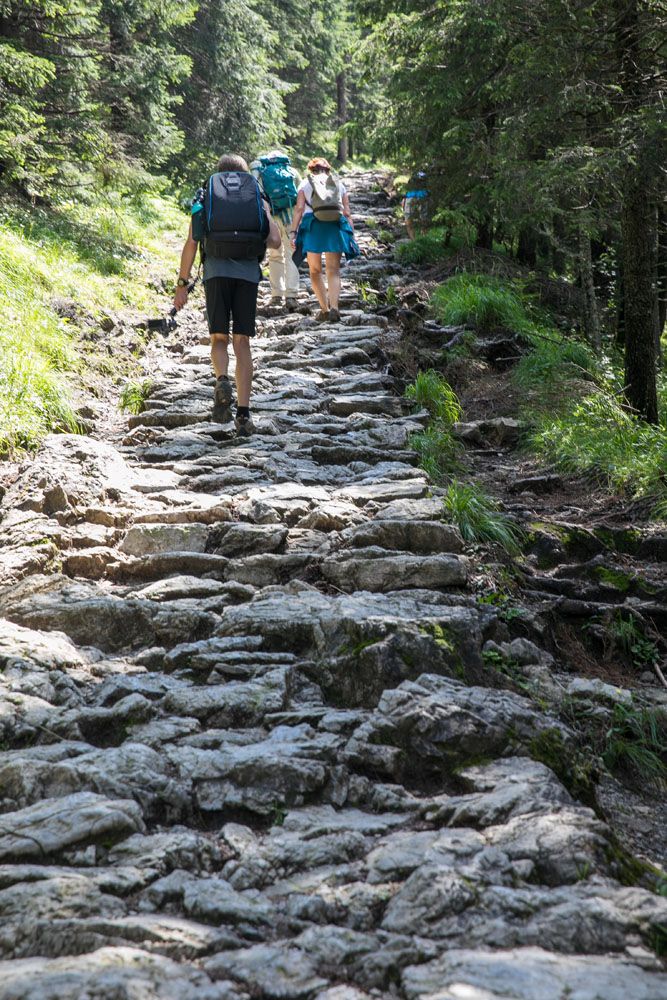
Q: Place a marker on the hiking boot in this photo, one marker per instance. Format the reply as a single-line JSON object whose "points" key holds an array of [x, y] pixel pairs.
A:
{"points": [[322, 317], [244, 426], [276, 302], [292, 303], [222, 400], [334, 316]]}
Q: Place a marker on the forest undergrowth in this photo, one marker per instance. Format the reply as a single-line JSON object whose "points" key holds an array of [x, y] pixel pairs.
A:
{"points": [[572, 404]]}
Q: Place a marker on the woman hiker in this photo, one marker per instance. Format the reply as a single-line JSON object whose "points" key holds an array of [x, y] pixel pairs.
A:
{"points": [[323, 225]]}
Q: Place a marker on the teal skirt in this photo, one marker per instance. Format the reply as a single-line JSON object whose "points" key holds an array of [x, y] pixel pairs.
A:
{"points": [[326, 237]]}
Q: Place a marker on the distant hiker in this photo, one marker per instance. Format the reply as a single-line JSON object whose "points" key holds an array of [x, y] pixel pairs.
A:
{"points": [[323, 225], [416, 204], [279, 181], [233, 224]]}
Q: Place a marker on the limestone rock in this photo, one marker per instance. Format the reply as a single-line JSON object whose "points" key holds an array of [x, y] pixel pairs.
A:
{"points": [[54, 824], [373, 570], [528, 973], [111, 973]]}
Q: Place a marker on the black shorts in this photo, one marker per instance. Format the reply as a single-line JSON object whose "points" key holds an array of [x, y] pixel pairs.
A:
{"points": [[233, 297]]}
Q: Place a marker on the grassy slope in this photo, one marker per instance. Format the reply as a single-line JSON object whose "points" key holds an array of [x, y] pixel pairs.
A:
{"points": [[572, 398], [99, 256]]}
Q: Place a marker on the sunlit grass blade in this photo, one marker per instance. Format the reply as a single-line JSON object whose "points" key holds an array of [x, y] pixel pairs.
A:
{"points": [[479, 517], [432, 392]]}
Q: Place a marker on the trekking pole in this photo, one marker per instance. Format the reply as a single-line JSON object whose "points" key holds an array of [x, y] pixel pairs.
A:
{"points": [[191, 288], [165, 324]]}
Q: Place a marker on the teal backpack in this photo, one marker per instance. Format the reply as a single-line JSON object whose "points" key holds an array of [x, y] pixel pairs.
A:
{"points": [[278, 183]]}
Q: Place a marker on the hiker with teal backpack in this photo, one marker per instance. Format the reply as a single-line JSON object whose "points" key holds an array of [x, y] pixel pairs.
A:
{"points": [[323, 225], [232, 223], [279, 182], [416, 205]]}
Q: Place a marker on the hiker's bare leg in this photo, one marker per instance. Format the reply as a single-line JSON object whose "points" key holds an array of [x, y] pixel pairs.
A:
{"points": [[317, 280], [241, 345], [219, 356], [410, 227], [333, 278]]}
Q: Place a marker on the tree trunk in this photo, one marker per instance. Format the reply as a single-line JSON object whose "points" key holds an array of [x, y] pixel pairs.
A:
{"points": [[638, 229], [591, 317], [558, 261], [527, 248], [341, 106], [619, 295], [638, 224], [662, 269], [484, 238]]}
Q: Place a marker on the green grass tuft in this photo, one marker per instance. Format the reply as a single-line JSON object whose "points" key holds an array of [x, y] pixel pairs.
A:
{"points": [[634, 743], [431, 392], [552, 361], [438, 452], [480, 301], [479, 517], [133, 396]]}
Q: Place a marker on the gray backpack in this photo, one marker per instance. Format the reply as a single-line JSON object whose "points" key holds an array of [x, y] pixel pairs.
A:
{"points": [[327, 198]]}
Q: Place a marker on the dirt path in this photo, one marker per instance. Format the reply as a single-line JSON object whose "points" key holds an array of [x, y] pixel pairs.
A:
{"points": [[251, 745]]}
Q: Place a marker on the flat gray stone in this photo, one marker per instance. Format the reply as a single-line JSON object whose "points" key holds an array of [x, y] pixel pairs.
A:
{"points": [[417, 537], [376, 571], [150, 539], [275, 971], [529, 974], [50, 826], [107, 974]]}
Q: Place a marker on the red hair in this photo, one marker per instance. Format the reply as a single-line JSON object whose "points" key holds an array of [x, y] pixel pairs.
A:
{"points": [[318, 161]]}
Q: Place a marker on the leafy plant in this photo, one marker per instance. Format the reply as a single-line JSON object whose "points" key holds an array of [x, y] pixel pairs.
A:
{"points": [[627, 634], [503, 602], [368, 294], [479, 517], [432, 392], [133, 396], [507, 667], [480, 301]]}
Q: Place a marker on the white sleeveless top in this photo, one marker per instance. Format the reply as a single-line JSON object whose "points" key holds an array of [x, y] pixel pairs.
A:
{"points": [[307, 189]]}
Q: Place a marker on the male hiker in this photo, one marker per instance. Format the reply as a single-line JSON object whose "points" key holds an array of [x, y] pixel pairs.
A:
{"points": [[416, 207], [233, 223], [279, 182]]}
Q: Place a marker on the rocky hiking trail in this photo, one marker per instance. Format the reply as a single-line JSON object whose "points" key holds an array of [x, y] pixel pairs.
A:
{"points": [[250, 744]]}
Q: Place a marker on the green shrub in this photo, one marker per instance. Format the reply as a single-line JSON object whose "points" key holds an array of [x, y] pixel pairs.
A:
{"points": [[438, 451], [426, 249], [480, 301], [433, 393], [479, 517]]}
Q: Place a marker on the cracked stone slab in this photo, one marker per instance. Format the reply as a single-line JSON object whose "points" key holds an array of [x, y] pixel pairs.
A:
{"points": [[48, 827], [112, 973], [529, 973]]}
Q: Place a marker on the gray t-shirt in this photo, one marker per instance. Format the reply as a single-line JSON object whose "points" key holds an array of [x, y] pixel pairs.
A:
{"points": [[245, 270]]}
